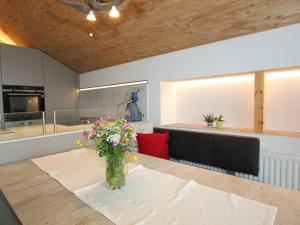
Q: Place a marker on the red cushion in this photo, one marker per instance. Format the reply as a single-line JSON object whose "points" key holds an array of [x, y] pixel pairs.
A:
{"points": [[154, 144]]}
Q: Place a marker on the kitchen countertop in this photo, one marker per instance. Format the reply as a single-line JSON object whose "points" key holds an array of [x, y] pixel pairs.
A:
{"points": [[37, 130]]}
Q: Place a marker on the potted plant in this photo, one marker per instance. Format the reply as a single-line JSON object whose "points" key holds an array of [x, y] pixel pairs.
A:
{"points": [[113, 140], [220, 122], [209, 119]]}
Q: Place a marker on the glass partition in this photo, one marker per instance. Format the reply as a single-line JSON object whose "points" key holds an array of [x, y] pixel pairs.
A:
{"points": [[21, 125], [31, 124], [79, 119]]}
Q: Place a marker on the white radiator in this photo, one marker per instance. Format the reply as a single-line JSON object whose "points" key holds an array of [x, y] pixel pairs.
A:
{"points": [[276, 169]]}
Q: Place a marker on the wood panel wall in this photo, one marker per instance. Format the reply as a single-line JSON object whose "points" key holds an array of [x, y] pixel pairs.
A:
{"points": [[259, 102]]}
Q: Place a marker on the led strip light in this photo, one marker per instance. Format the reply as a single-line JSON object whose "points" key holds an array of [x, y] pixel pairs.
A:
{"points": [[114, 85]]}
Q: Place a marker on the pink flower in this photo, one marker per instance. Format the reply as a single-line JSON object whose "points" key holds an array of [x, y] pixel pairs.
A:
{"points": [[84, 134], [89, 133], [126, 126], [109, 117], [115, 143], [97, 123]]}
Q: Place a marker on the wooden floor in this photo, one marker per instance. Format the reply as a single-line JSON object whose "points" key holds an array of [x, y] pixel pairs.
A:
{"points": [[37, 199]]}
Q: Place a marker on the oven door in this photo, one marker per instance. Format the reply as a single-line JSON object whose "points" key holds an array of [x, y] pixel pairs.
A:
{"points": [[23, 106]]}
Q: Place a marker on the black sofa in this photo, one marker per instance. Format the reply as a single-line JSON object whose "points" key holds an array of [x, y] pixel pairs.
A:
{"points": [[229, 152]]}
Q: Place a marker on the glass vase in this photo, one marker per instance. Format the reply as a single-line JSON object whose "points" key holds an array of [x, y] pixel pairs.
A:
{"points": [[115, 171]]}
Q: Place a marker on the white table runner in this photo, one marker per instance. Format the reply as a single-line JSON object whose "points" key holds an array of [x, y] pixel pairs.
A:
{"points": [[76, 168], [196, 204], [151, 197], [145, 190]]}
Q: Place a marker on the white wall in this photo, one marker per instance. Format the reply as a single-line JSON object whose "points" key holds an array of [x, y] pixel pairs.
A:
{"points": [[28, 148], [282, 101], [168, 102], [232, 97], [265, 50], [278, 48], [108, 99]]}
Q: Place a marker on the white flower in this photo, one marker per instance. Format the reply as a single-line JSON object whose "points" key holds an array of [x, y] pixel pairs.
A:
{"points": [[114, 139]]}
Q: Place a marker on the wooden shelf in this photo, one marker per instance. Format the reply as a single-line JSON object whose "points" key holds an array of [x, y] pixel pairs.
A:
{"points": [[202, 127], [282, 133], [233, 130]]}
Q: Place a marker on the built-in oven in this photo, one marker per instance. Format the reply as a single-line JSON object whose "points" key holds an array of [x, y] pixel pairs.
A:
{"points": [[22, 103]]}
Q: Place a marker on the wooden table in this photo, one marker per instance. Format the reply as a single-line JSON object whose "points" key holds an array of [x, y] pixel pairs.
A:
{"points": [[38, 199]]}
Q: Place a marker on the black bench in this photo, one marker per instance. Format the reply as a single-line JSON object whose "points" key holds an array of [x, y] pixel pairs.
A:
{"points": [[229, 152]]}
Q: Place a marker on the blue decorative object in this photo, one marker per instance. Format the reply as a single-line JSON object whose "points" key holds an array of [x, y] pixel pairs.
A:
{"points": [[133, 108], [134, 96]]}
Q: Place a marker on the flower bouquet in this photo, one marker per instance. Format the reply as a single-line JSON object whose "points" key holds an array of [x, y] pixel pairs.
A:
{"points": [[112, 139]]}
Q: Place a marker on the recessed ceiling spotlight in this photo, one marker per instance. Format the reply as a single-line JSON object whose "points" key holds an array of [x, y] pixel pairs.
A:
{"points": [[91, 34], [91, 16], [114, 12]]}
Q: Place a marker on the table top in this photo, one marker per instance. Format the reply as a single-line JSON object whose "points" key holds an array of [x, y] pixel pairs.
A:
{"points": [[38, 199]]}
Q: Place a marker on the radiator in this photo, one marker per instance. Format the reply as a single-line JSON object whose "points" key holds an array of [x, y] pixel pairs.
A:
{"points": [[275, 169]]}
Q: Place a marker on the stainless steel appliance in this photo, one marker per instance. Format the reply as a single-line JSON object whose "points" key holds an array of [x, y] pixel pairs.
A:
{"points": [[22, 103]]}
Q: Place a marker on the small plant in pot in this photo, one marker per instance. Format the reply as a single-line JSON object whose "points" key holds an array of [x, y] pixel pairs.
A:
{"points": [[220, 122], [209, 119]]}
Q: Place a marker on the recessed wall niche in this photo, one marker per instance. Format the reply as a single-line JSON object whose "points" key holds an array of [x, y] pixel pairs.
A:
{"points": [[282, 101], [184, 101]]}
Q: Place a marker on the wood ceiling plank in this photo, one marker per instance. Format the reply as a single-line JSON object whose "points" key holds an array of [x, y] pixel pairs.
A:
{"points": [[146, 28]]}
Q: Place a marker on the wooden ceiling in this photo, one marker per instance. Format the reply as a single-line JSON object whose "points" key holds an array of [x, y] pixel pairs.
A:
{"points": [[145, 28]]}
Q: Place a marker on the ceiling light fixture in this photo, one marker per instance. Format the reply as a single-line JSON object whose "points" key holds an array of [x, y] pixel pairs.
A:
{"points": [[88, 7], [114, 12], [91, 16], [91, 34]]}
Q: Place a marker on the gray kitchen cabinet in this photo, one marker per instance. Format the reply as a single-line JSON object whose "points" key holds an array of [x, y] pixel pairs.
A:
{"points": [[1, 102], [0, 68], [21, 66], [1, 97], [61, 87], [1, 108]]}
